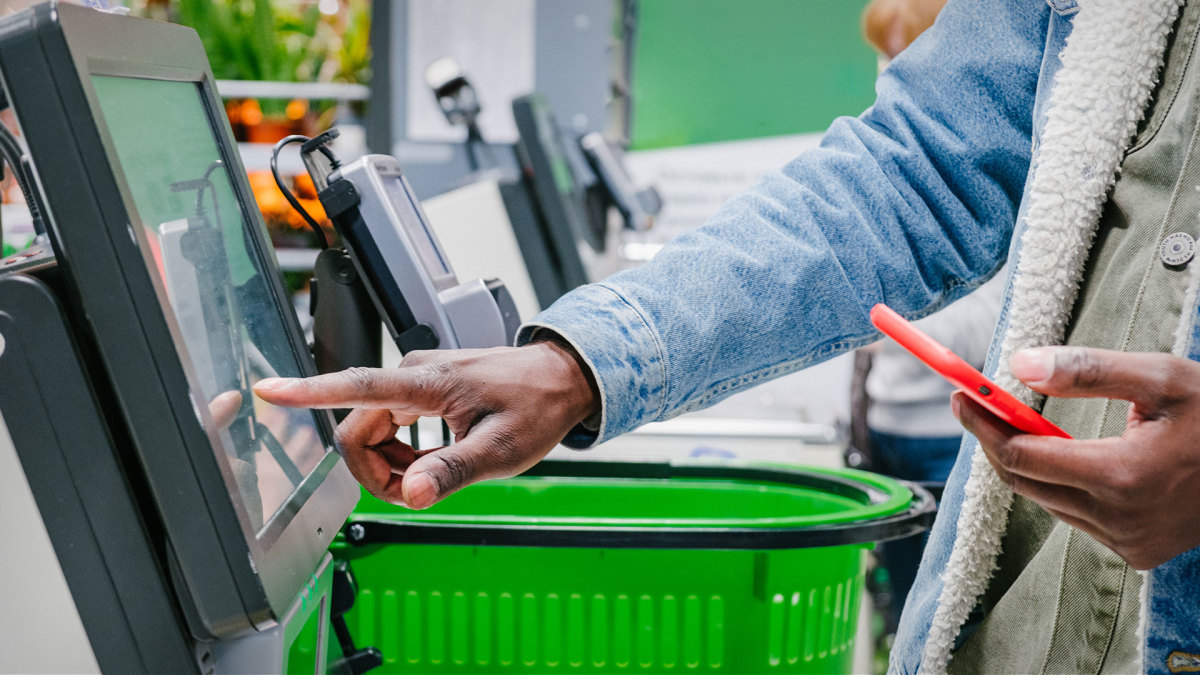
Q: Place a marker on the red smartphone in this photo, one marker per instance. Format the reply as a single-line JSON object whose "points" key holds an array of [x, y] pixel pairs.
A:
{"points": [[960, 373]]}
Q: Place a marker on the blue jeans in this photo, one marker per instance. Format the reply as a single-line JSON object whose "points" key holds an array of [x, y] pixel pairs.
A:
{"points": [[914, 458]]}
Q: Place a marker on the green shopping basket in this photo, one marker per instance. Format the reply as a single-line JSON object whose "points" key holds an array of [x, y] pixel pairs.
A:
{"points": [[614, 567]]}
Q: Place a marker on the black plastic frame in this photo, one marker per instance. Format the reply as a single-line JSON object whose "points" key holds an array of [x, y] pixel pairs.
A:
{"points": [[76, 475], [564, 221], [540, 262], [913, 520], [231, 580]]}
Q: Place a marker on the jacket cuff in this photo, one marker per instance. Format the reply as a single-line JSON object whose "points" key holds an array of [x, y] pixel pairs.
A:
{"points": [[622, 351]]}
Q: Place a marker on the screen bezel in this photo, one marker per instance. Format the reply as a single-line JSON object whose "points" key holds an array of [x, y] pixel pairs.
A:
{"points": [[230, 578]]}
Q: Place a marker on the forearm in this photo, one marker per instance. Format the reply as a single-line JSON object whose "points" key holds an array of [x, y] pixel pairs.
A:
{"points": [[911, 204]]}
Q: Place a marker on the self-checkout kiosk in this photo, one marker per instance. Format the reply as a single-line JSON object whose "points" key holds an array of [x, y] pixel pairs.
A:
{"points": [[189, 521]]}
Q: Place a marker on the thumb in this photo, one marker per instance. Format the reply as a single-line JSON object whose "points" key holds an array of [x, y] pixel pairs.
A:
{"points": [[441, 472], [1150, 380], [481, 454]]}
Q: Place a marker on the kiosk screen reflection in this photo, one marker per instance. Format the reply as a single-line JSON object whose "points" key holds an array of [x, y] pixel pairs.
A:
{"points": [[229, 330]]}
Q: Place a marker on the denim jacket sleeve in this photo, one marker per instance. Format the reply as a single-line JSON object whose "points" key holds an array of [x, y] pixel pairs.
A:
{"points": [[912, 203]]}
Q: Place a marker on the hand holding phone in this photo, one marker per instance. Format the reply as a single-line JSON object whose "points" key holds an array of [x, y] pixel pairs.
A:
{"points": [[960, 373]]}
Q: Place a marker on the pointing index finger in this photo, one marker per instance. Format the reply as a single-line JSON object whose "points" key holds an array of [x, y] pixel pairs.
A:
{"points": [[392, 388]]}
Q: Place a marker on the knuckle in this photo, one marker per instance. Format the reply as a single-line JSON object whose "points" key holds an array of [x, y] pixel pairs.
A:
{"points": [[1013, 453], [504, 454], [1085, 367], [454, 470], [418, 357], [434, 376], [342, 435], [1177, 370], [1174, 378], [361, 380]]}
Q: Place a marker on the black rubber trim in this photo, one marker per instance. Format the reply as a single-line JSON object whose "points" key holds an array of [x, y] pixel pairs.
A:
{"points": [[915, 519], [102, 540], [374, 268], [338, 198]]}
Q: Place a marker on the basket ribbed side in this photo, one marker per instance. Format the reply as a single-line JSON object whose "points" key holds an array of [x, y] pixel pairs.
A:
{"points": [[452, 630]]}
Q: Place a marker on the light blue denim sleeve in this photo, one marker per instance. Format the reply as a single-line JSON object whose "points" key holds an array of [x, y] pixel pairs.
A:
{"points": [[912, 203]]}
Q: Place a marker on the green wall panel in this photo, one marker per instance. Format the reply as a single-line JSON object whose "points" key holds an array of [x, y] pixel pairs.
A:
{"points": [[717, 70]]}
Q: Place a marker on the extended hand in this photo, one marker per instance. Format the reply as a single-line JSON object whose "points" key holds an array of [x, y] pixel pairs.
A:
{"points": [[507, 407], [1138, 494]]}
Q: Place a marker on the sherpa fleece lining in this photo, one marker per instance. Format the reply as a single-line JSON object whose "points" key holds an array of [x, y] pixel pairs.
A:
{"points": [[1109, 68]]}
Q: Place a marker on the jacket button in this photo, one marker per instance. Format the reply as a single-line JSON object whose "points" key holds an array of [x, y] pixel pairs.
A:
{"points": [[1177, 248]]}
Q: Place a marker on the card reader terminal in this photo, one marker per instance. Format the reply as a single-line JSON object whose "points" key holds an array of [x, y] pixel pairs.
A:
{"points": [[638, 206], [408, 275]]}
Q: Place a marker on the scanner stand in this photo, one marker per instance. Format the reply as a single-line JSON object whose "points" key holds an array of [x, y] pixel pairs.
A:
{"points": [[347, 331]]}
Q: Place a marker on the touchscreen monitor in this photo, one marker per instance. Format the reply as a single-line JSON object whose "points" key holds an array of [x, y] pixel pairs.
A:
{"points": [[231, 333]]}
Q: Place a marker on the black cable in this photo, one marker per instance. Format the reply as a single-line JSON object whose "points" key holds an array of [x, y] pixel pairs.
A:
{"points": [[472, 160], [22, 171], [287, 194], [12, 154], [4, 106], [472, 139], [14, 173], [475, 142]]}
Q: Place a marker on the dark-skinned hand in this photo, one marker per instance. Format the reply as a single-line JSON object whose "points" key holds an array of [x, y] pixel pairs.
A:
{"points": [[1139, 493], [508, 407]]}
